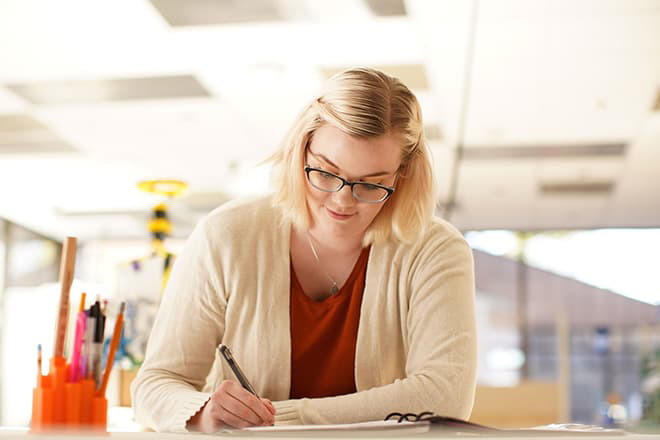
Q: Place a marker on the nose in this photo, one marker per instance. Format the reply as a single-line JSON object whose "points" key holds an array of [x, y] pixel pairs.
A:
{"points": [[344, 197]]}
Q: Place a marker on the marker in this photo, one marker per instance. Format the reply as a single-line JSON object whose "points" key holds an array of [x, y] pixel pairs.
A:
{"points": [[75, 371], [97, 345], [101, 323], [90, 324], [227, 356], [81, 306]]}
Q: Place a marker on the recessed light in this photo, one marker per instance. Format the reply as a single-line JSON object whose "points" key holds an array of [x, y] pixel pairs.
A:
{"points": [[121, 89]]}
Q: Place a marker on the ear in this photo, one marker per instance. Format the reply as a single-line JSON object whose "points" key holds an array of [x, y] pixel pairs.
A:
{"points": [[402, 172]]}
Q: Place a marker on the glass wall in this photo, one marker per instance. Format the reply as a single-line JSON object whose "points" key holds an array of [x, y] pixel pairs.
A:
{"points": [[593, 350], [29, 264], [3, 270]]}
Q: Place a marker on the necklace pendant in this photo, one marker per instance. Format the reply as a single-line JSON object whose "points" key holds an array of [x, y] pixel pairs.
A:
{"points": [[334, 289]]}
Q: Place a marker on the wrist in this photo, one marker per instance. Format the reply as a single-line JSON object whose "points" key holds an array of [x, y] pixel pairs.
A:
{"points": [[193, 423]]}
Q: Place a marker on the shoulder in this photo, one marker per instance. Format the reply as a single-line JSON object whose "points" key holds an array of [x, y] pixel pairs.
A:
{"points": [[444, 240], [239, 229], [238, 224], [441, 243], [441, 230], [439, 234], [443, 235], [241, 216]]}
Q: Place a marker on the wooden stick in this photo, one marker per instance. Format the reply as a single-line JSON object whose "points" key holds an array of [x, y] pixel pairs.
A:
{"points": [[67, 265]]}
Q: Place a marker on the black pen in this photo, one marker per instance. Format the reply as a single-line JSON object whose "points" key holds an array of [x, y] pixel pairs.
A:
{"points": [[227, 356]]}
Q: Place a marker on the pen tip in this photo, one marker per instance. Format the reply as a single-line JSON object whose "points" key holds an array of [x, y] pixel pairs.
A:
{"points": [[122, 307]]}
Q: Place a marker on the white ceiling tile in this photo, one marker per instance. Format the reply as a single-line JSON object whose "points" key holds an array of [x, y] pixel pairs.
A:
{"points": [[581, 170]]}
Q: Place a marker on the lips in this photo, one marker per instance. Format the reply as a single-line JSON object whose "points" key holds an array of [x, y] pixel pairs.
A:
{"points": [[337, 215]]}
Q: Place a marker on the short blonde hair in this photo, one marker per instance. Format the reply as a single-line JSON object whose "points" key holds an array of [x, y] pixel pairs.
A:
{"points": [[365, 103]]}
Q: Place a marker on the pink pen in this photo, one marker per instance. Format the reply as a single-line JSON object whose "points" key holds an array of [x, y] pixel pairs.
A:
{"points": [[74, 371]]}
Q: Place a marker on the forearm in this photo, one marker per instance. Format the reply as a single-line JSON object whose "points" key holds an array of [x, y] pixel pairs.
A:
{"points": [[163, 402], [444, 395]]}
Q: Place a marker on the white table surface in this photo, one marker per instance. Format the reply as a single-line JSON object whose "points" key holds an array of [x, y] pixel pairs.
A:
{"points": [[22, 434]]}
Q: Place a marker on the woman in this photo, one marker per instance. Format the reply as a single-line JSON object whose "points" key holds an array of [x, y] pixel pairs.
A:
{"points": [[341, 296]]}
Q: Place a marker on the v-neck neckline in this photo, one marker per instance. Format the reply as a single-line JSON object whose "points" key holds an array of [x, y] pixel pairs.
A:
{"points": [[341, 293]]}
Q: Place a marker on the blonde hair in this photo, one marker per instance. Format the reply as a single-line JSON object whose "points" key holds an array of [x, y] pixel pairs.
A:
{"points": [[364, 103]]}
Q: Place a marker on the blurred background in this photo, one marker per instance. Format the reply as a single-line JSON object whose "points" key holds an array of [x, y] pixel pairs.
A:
{"points": [[543, 117]]}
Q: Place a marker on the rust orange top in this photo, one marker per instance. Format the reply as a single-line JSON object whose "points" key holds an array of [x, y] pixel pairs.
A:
{"points": [[324, 335]]}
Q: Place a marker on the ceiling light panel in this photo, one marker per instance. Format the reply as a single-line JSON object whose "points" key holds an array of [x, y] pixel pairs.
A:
{"points": [[12, 123], [210, 12], [544, 151], [386, 8], [179, 13], [123, 89], [577, 188], [21, 134]]}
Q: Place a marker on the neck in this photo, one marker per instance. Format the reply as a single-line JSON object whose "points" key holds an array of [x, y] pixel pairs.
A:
{"points": [[334, 244]]}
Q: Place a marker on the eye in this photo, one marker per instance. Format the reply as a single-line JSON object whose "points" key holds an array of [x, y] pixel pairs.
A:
{"points": [[327, 175], [371, 187]]}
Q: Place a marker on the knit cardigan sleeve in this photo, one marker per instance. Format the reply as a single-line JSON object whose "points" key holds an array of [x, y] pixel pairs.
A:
{"points": [[180, 351], [440, 340]]}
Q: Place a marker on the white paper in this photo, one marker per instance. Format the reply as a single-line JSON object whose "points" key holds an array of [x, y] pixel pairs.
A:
{"points": [[363, 426]]}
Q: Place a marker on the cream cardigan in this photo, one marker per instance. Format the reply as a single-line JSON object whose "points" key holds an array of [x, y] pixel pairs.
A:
{"points": [[416, 342]]}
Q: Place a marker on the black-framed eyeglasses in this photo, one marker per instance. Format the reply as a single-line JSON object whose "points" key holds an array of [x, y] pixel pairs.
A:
{"points": [[410, 417], [362, 191]]}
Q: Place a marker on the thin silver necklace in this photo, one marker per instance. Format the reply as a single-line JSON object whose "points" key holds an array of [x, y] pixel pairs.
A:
{"points": [[334, 289]]}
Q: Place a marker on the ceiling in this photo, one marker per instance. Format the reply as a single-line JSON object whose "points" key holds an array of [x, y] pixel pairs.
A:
{"points": [[541, 114]]}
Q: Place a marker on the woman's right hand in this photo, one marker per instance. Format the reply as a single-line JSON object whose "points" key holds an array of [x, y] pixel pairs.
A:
{"points": [[232, 405]]}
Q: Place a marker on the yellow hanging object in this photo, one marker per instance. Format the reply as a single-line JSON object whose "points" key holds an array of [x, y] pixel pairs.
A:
{"points": [[169, 188], [160, 227], [159, 223]]}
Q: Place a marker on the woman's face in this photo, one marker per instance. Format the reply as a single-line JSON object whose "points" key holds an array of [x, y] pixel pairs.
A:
{"points": [[371, 160]]}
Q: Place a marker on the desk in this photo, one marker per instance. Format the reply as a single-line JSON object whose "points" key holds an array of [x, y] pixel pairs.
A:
{"points": [[23, 434]]}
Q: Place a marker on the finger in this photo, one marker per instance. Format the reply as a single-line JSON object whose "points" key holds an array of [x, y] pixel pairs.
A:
{"points": [[252, 402], [241, 409], [228, 410], [230, 419], [269, 405]]}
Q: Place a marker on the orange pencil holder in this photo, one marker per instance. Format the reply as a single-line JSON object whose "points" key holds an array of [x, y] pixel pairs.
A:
{"points": [[61, 406]]}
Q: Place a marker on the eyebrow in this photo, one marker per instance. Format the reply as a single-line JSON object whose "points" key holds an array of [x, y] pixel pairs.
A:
{"points": [[325, 159]]}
